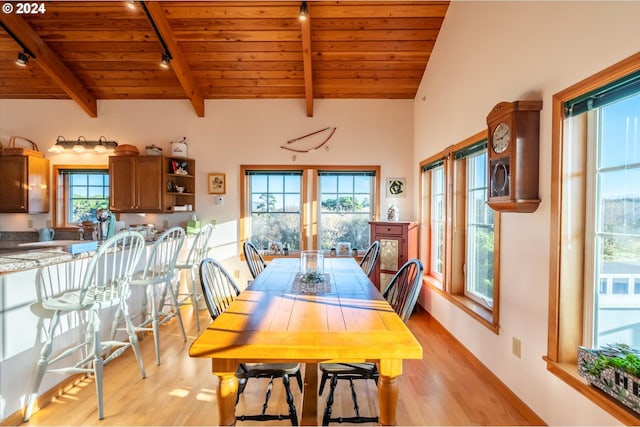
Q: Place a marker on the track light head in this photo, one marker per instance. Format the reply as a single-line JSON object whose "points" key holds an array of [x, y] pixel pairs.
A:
{"points": [[304, 11], [166, 59], [23, 58]]}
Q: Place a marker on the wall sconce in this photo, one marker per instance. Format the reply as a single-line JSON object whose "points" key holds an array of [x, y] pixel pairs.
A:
{"points": [[304, 11], [81, 144]]}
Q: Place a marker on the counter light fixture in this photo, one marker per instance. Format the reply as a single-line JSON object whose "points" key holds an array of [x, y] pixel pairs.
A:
{"points": [[81, 144]]}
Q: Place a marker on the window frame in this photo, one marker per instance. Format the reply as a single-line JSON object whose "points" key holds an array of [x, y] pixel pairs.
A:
{"points": [[60, 192], [452, 284], [310, 204], [566, 267]]}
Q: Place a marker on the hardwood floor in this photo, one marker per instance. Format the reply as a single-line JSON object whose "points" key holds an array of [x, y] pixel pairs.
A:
{"points": [[447, 387]]}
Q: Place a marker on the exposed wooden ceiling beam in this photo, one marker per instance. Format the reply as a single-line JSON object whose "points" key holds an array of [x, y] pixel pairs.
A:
{"points": [[306, 60], [179, 62], [51, 63]]}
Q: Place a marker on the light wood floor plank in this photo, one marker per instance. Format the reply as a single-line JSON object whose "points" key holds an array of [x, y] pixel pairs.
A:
{"points": [[447, 387]]}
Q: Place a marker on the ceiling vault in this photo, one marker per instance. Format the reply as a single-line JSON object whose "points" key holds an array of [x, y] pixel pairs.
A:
{"points": [[178, 62], [51, 63], [306, 60]]}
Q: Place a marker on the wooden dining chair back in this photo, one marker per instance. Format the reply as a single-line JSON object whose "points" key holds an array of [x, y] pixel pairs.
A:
{"points": [[255, 262], [370, 258], [104, 284], [158, 274], [402, 294], [220, 290]]}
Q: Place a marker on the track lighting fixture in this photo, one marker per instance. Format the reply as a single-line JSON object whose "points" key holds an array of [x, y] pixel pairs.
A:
{"points": [[81, 145], [166, 59], [304, 11], [23, 57]]}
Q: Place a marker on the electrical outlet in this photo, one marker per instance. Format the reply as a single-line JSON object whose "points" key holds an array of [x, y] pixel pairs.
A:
{"points": [[48, 223], [236, 274], [165, 224], [30, 223], [516, 347], [213, 222]]}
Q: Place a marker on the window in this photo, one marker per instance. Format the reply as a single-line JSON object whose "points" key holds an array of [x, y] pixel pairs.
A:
{"points": [[275, 208], [282, 204], [595, 217], [460, 252], [80, 191], [345, 208]]}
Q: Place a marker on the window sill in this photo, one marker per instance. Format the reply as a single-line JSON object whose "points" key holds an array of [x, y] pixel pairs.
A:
{"points": [[568, 372], [472, 308]]}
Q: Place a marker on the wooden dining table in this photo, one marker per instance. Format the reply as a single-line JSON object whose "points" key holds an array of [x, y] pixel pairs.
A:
{"points": [[279, 318]]}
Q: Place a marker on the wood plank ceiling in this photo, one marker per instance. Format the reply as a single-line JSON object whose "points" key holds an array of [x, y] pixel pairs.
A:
{"points": [[89, 51]]}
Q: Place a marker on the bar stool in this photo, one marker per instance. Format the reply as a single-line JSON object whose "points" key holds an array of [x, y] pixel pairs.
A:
{"points": [[160, 269], [191, 264], [104, 284]]}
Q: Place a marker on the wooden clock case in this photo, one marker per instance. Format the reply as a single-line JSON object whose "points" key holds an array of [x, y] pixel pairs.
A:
{"points": [[513, 172]]}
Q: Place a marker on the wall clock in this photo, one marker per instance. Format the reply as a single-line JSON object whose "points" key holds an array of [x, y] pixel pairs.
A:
{"points": [[514, 134]]}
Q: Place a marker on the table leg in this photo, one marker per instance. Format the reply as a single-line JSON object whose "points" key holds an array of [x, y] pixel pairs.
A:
{"points": [[310, 396], [388, 387], [226, 392]]}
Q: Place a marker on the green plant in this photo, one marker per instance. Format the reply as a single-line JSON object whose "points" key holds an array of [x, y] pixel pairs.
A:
{"points": [[618, 356]]}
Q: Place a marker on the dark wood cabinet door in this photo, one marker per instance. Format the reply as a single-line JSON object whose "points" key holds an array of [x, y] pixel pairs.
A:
{"points": [[121, 184], [149, 188], [26, 188]]}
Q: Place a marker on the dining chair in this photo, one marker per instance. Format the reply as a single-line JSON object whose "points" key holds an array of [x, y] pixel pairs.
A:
{"points": [[103, 284], [220, 290], [159, 269], [254, 260], [190, 264], [402, 294], [370, 257]]}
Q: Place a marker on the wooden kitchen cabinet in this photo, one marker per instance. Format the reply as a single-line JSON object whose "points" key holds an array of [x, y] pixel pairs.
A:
{"points": [[135, 183], [398, 243], [179, 172], [26, 184]]}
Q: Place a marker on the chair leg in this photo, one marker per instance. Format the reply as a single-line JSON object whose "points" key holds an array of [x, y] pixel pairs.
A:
{"points": [[93, 337], [299, 379], [176, 308], [194, 297], [41, 366], [323, 380], [293, 416], [155, 324], [327, 410], [133, 337]]}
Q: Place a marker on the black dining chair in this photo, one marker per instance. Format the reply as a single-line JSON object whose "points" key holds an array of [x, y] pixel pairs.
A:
{"points": [[402, 294], [219, 290], [370, 257], [254, 260]]}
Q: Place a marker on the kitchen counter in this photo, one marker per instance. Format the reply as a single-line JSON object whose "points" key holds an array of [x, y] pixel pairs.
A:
{"points": [[44, 253]]}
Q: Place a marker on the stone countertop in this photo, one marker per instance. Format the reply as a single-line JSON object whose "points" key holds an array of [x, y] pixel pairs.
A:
{"points": [[23, 260]]}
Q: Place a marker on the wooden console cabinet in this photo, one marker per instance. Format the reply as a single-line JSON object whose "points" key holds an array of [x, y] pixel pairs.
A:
{"points": [[398, 243], [26, 184]]}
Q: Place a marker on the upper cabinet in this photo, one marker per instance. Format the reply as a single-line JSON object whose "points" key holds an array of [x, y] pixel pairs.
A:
{"points": [[135, 184], [151, 184], [26, 184]]}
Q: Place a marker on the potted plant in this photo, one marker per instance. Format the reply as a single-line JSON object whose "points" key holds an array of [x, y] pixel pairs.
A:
{"points": [[615, 369]]}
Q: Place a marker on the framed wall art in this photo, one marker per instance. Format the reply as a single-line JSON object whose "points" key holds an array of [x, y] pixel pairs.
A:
{"points": [[396, 187], [217, 183]]}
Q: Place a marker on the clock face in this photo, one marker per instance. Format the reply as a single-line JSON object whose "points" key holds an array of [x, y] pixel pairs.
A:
{"points": [[501, 137]]}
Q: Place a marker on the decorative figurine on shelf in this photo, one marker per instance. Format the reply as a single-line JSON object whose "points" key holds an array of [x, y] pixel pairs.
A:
{"points": [[285, 250], [392, 213]]}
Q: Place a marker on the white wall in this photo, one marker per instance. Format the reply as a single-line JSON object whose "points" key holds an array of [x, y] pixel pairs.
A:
{"points": [[489, 52], [233, 132]]}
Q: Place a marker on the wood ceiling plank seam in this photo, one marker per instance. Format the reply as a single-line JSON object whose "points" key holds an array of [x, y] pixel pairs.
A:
{"points": [[51, 63], [179, 63]]}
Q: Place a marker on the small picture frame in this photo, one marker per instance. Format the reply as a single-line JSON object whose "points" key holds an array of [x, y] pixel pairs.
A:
{"points": [[217, 183], [396, 187]]}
